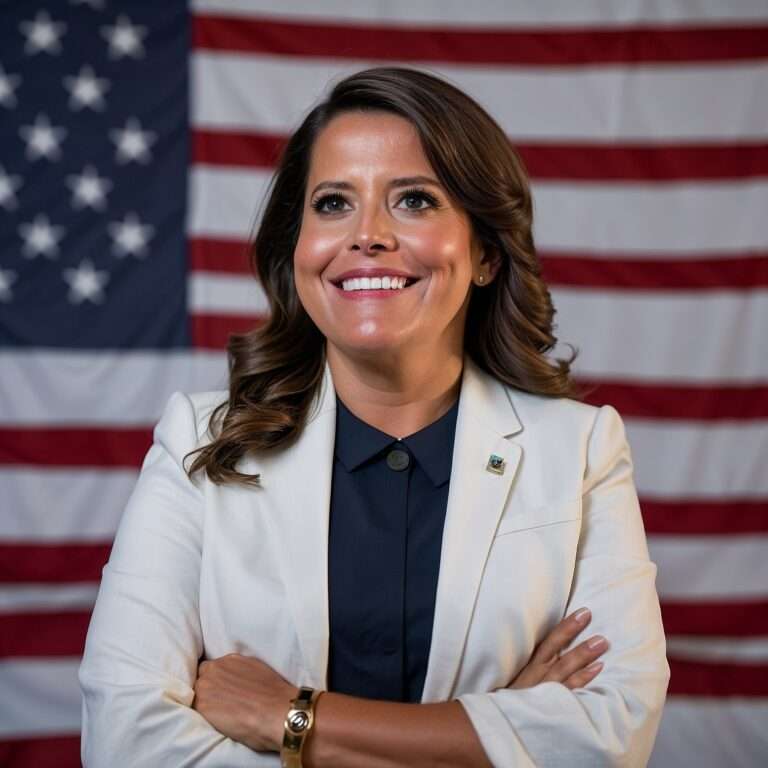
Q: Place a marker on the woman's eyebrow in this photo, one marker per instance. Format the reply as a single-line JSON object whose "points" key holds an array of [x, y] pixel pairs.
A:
{"points": [[402, 181], [409, 181], [332, 185]]}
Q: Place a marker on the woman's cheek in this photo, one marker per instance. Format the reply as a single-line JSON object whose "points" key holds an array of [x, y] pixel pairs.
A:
{"points": [[441, 246]]}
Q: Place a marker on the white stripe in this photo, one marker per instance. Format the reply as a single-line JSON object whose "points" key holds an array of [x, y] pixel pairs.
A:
{"points": [[490, 12], [50, 597], [224, 201], [653, 103], [651, 217], [663, 337], [226, 295], [716, 460], [45, 700], [728, 650], [101, 388], [712, 733], [659, 218], [59, 506], [710, 567]]}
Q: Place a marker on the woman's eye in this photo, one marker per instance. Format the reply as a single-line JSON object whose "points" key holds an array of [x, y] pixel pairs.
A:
{"points": [[418, 201], [329, 204]]}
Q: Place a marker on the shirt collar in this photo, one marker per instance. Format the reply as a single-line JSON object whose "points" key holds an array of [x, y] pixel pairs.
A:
{"points": [[432, 446]]}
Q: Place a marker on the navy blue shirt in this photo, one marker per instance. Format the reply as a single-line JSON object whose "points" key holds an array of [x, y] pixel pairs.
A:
{"points": [[388, 504]]}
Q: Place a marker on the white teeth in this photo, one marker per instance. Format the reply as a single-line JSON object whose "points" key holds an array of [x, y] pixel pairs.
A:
{"points": [[373, 283]]}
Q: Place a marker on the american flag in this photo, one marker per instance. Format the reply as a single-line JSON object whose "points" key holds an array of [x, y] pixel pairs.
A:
{"points": [[136, 142]]}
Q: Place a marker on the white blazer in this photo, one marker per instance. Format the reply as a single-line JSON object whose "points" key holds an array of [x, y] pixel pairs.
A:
{"points": [[198, 570]]}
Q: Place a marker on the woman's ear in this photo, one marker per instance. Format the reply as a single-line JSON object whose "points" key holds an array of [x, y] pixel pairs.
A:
{"points": [[491, 260], [486, 262]]}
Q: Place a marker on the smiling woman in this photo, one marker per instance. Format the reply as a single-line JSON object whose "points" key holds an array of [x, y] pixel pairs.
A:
{"points": [[380, 546], [396, 174]]}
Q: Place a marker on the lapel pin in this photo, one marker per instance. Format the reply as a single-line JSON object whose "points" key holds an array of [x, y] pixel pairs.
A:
{"points": [[495, 464]]}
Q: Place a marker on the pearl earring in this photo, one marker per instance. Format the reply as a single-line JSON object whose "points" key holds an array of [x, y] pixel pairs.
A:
{"points": [[481, 279]]}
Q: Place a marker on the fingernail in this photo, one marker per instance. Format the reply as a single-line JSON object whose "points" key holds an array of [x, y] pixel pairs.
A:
{"points": [[596, 667], [581, 615], [596, 642]]}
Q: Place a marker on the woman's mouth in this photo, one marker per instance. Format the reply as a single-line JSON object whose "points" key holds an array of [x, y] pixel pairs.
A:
{"points": [[392, 283]]}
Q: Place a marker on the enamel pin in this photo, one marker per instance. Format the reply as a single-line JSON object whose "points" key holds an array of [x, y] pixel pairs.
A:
{"points": [[495, 464]]}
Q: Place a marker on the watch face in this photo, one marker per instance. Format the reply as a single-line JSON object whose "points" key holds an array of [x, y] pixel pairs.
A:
{"points": [[298, 721]]}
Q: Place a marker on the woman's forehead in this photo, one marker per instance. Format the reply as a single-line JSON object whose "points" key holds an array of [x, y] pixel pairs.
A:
{"points": [[367, 140]]}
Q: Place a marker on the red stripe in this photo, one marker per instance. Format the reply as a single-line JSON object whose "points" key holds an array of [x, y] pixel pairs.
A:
{"points": [[546, 162], [43, 634], [710, 618], [701, 517], [656, 274], [52, 563], [41, 752], [256, 150], [686, 402], [214, 255], [71, 447], [212, 331], [550, 47], [645, 163], [697, 678]]}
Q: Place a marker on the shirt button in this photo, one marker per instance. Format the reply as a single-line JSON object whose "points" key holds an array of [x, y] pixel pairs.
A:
{"points": [[398, 460]]}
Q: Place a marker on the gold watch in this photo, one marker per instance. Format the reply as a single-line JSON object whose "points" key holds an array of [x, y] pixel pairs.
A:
{"points": [[298, 724]]}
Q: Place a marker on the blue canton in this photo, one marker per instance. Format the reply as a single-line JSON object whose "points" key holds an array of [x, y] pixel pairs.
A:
{"points": [[93, 174]]}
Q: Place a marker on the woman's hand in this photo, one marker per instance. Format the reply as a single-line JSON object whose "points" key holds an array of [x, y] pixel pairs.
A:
{"points": [[244, 699], [573, 669]]}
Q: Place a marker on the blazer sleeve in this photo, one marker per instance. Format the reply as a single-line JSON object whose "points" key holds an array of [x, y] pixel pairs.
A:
{"points": [[613, 720], [144, 640]]}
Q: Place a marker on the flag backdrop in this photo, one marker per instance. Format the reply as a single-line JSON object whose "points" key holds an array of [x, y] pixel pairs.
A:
{"points": [[136, 141]]}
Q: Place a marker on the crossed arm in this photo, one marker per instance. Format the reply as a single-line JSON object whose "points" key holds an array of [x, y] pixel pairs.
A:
{"points": [[247, 701]]}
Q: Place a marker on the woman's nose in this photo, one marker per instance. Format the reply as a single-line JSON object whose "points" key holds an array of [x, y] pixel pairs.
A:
{"points": [[373, 232]]}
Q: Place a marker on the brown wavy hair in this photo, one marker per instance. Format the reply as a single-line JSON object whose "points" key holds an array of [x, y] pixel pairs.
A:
{"points": [[275, 369]]}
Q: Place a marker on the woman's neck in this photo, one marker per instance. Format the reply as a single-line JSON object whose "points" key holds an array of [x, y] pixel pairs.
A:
{"points": [[397, 393]]}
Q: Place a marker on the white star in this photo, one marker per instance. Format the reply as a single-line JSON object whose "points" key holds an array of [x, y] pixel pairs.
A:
{"points": [[40, 237], [8, 187], [86, 90], [133, 143], [89, 190], [7, 279], [42, 139], [125, 39], [8, 84], [86, 283], [130, 236], [42, 34]]}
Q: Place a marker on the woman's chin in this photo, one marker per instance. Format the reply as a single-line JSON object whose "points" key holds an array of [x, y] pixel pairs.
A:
{"points": [[365, 343]]}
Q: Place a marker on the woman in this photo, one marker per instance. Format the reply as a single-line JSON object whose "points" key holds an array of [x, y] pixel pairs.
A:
{"points": [[398, 501]]}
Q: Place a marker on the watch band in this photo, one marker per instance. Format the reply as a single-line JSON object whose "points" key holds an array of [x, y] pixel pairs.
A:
{"points": [[298, 724]]}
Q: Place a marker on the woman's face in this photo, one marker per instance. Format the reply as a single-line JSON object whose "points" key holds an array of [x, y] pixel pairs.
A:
{"points": [[374, 210]]}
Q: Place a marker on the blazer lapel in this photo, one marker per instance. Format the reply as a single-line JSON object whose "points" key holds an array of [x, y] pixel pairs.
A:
{"points": [[476, 500], [296, 492]]}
